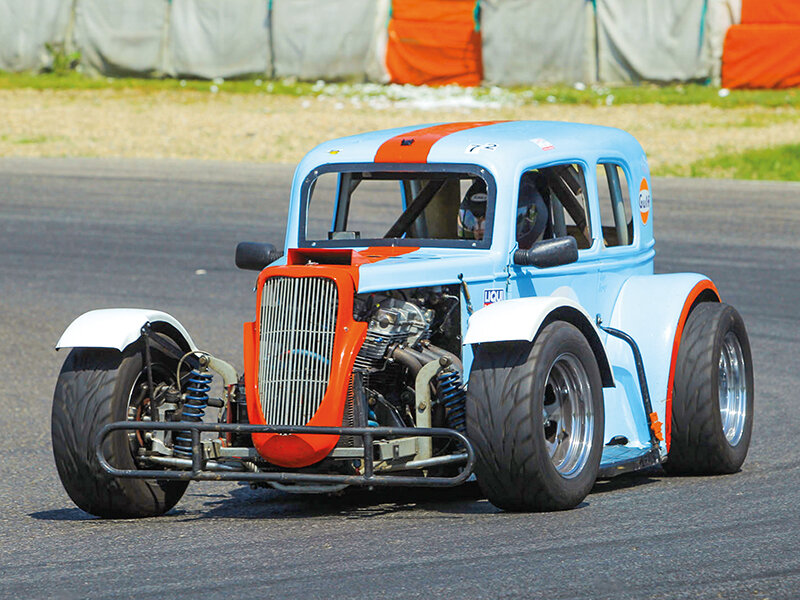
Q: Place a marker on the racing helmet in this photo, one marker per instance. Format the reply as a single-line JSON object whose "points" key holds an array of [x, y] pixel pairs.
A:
{"points": [[532, 212], [472, 212]]}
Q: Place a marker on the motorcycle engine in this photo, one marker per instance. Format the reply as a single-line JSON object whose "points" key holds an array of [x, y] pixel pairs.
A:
{"points": [[393, 321]]}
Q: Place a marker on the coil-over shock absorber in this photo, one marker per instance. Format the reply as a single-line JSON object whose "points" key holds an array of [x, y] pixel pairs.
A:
{"points": [[194, 406], [451, 393]]}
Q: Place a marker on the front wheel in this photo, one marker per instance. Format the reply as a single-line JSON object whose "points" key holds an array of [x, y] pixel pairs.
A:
{"points": [[535, 415], [712, 395], [96, 387]]}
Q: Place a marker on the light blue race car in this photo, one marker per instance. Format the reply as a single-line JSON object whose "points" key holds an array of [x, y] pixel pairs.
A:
{"points": [[454, 301]]}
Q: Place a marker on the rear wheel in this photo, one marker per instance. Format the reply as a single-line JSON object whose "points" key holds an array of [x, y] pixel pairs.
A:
{"points": [[535, 415], [712, 395], [96, 387]]}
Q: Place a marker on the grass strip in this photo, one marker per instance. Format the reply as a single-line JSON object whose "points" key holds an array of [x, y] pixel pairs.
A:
{"points": [[780, 163], [577, 94]]}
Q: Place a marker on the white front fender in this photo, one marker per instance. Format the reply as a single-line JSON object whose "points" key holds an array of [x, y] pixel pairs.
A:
{"points": [[520, 320], [116, 328], [517, 319]]}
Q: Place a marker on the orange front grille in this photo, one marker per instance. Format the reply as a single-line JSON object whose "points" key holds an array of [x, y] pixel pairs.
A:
{"points": [[299, 357]]}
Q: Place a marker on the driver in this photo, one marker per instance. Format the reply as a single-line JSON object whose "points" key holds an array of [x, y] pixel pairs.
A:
{"points": [[472, 212], [532, 211]]}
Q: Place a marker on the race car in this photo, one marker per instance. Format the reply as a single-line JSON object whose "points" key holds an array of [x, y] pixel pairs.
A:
{"points": [[453, 301]]}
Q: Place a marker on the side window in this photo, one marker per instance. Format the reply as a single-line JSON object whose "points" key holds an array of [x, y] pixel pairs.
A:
{"points": [[615, 205], [552, 203]]}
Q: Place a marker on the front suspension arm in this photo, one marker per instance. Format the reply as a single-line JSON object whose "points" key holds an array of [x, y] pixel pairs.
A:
{"points": [[199, 472]]}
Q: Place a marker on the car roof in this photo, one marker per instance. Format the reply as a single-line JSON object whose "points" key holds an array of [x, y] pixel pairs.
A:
{"points": [[490, 143], [503, 148]]}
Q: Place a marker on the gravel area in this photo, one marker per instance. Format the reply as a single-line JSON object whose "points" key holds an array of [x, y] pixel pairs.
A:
{"points": [[273, 128]]}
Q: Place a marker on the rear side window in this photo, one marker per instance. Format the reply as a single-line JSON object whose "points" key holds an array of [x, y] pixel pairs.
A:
{"points": [[552, 203], [615, 205]]}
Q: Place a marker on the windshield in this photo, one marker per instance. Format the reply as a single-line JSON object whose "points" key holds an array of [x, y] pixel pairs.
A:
{"points": [[444, 206]]}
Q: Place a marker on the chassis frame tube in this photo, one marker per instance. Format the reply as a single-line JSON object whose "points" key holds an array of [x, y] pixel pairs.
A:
{"points": [[642, 377], [198, 471]]}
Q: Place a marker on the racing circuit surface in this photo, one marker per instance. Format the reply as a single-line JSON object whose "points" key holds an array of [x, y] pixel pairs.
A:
{"points": [[82, 234]]}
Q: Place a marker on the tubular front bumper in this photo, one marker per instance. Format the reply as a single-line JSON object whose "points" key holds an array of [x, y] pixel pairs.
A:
{"points": [[199, 470]]}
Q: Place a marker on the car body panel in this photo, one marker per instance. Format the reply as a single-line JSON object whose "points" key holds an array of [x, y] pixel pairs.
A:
{"points": [[652, 310], [516, 320], [116, 328]]}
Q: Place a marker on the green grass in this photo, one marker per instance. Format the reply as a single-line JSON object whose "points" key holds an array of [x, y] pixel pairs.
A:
{"points": [[778, 163], [682, 94], [72, 80], [595, 95], [37, 139]]}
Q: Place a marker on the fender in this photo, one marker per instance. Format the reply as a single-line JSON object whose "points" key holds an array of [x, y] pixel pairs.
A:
{"points": [[120, 327], [653, 310], [522, 318]]}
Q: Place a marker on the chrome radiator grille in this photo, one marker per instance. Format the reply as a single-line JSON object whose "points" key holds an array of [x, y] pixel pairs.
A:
{"points": [[298, 322]]}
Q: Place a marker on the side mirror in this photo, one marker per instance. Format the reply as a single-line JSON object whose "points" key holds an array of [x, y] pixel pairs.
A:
{"points": [[254, 256], [548, 253]]}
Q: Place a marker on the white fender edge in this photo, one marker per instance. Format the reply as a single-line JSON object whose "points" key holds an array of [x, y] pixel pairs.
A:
{"points": [[520, 320], [115, 328], [517, 319]]}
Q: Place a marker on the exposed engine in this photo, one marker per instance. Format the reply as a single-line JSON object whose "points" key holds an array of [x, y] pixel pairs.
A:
{"points": [[392, 321], [408, 329]]}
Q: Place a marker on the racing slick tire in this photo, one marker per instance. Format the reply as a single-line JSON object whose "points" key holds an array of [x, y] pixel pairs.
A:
{"points": [[535, 416], [95, 387], [712, 395]]}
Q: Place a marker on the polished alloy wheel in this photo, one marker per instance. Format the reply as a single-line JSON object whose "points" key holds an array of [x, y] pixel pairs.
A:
{"points": [[732, 388], [568, 420]]}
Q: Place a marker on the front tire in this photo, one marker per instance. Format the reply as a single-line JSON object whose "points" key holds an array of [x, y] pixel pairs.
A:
{"points": [[535, 415], [712, 395], [96, 387]]}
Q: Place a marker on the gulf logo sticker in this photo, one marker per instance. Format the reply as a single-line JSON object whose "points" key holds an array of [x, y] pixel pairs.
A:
{"points": [[644, 201]]}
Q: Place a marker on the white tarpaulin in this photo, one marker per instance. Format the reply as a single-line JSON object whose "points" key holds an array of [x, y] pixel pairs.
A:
{"points": [[523, 41], [219, 38], [121, 37], [722, 14], [652, 40], [323, 39], [26, 26], [376, 57], [537, 41]]}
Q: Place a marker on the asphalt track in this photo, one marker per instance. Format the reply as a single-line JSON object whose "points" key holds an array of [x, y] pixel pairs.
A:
{"points": [[83, 234]]}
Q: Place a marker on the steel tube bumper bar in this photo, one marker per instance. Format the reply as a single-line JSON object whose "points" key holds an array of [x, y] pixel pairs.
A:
{"points": [[200, 468]]}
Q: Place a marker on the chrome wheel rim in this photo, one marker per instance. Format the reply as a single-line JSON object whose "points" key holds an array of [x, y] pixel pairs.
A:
{"points": [[732, 388], [568, 416]]}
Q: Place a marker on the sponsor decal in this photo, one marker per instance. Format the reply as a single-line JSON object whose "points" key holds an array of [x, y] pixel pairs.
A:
{"points": [[477, 148], [491, 296], [334, 151], [543, 144], [644, 201]]}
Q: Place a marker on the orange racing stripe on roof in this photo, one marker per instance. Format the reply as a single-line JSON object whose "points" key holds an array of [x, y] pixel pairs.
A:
{"points": [[414, 146]]}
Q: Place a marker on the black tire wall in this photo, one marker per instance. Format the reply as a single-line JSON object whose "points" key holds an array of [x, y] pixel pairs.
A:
{"points": [[92, 390]]}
